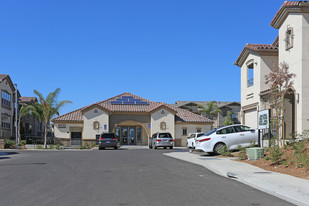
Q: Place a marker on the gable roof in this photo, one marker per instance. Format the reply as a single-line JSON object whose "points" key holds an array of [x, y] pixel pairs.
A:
{"points": [[286, 8], [181, 115], [261, 49]]}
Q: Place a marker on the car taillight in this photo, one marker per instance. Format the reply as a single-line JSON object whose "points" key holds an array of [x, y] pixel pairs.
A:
{"points": [[203, 140], [171, 140], [158, 140], [101, 138], [114, 138]]}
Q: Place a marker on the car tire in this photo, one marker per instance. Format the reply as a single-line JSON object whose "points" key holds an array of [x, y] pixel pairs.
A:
{"points": [[150, 147], [192, 146], [187, 145], [101, 148], [155, 147], [218, 147], [171, 147], [116, 147]]}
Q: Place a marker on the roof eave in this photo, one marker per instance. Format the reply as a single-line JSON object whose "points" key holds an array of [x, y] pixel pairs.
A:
{"points": [[301, 7]]}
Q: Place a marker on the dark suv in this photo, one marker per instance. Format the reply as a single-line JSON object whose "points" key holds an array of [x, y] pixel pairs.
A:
{"points": [[161, 139], [108, 140]]}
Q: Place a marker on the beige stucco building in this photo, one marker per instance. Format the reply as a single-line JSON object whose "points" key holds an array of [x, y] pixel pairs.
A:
{"points": [[257, 60], [7, 107], [133, 119]]}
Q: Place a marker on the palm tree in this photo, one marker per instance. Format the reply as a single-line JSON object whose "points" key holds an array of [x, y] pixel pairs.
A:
{"points": [[211, 111], [24, 111], [48, 108]]}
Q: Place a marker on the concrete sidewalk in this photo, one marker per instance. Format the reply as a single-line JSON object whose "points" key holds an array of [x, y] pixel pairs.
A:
{"points": [[289, 188]]}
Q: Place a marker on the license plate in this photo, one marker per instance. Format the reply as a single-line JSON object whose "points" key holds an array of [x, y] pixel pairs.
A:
{"points": [[108, 142], [165, 140]]}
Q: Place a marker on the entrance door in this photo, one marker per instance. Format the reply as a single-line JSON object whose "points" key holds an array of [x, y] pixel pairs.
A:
{"points": [[124, 135], [132, 138]]}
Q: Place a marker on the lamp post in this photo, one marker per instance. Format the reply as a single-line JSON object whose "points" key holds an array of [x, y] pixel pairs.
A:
{"points": [[16, 115]]}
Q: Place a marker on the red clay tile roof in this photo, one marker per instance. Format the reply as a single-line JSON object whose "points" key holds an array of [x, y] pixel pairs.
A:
{"points": [[292, 6], [27, 99], [254, 48], [181, 115]]}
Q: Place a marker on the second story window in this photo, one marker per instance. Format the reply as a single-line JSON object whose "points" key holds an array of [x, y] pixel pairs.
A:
{"points": [[5, 99], [250, 80], [289, 37]]}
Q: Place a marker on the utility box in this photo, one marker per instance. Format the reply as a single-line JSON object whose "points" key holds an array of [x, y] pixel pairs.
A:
{"points": [[255, 153]]}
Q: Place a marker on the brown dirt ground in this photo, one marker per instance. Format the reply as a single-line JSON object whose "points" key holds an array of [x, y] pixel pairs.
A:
{"points": [[290, 168]]}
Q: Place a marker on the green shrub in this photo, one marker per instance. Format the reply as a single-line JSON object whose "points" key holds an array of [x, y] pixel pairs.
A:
{"points": [[10, 142], [301, 159], [224, 151], [274, 154], [23, 142], [58, 146], [242, 153], [51, 147], [39, 147]]}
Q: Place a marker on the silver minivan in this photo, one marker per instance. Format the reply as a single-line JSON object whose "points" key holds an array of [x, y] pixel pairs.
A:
{"points": [[161, 139]]}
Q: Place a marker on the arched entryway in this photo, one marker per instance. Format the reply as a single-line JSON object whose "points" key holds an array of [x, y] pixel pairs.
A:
{"points": [[131, 132], [289, 113]]}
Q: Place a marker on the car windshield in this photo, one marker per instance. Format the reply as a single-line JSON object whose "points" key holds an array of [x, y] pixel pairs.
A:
{"points": [[210, 132], [165, 135], [108, 136]]}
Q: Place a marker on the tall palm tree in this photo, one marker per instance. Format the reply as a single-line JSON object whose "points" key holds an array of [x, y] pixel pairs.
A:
{"points": [[211, 110], [24, 111], [49, 107]]}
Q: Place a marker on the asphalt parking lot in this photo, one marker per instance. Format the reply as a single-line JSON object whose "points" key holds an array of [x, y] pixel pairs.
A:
{"points": [[117, 177]]}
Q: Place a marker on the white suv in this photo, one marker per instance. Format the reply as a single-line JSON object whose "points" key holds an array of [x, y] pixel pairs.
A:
{"points": [[191, 139]]}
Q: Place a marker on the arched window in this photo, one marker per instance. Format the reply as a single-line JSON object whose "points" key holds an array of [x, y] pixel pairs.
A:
{"points": [[96, 125], [289, 37]]}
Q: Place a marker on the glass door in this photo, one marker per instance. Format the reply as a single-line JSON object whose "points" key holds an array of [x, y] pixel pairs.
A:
{"points": [[132, 138], [124, 135]]}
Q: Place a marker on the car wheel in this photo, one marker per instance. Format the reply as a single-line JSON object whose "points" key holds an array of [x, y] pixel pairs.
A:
{"points": [[100, 148], [218, 148], [150, 147], [193, 146], [171, 147], [116, 147]]}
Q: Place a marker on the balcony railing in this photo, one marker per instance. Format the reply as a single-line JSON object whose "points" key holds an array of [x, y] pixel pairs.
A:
{"points": [[250, 82]]}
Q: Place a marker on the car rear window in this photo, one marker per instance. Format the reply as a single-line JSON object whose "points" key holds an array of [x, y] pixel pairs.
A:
{"points": [[210, 132], [108, 135], [198, 135], [165, 135]]}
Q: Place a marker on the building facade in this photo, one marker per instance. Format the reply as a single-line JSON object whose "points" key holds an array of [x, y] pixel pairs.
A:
{"points": [[233, 107], [257, 60], [133, 120], [7, 107]]}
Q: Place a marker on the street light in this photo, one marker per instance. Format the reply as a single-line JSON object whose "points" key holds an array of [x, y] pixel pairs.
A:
{"points": [[16, 116]]}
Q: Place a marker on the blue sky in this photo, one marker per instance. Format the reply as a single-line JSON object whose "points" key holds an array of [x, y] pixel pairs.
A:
{"points": [[162, 50]]}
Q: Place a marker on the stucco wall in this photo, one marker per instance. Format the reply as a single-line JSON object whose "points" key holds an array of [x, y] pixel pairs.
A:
{"points": [[191, 128], [65, 132], [162, 115], [92, 116], [298, 61]]}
